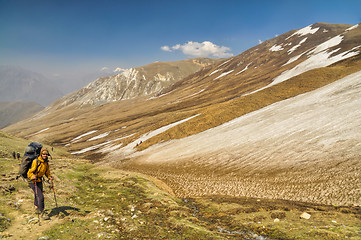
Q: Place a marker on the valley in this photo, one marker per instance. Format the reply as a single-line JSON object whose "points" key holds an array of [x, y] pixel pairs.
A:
{"points": [[238, 147], [98, 202]]}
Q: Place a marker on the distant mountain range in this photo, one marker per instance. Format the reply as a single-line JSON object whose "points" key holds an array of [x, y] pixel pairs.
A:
{"points": [[18, 84], [279, 120]]}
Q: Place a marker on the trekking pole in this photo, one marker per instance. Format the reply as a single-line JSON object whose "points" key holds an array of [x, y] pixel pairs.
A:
{"points": [[36, 196], [52, 186]]}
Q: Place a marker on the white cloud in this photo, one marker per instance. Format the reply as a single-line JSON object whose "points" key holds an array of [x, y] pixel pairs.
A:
{"points": [[260, 41], [177, 47], [204, 49], [103, 69], [166, 48]]}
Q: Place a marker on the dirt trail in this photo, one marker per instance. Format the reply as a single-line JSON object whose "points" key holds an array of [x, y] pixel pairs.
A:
{"points": [[26, 224], [24, 221], [18, 199]]}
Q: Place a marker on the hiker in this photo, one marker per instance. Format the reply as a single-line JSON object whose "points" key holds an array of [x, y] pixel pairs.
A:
{"points": [[39, 168], [18, 155], [14, 155]]}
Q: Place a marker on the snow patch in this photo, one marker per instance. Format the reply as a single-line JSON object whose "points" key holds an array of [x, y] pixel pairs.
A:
{"points": [[162, 129], [305, 31], [320, 58], [91, 148], [83, 135], [107, 148], [352, 28], [328, 44], [99, 136], [291, 60], [39, 132], [225, 62], [223, 74], [276, 48], [130, 146], [215, 72], [110, 148], [244, 69], [196, 93], [296, 46], [129, 149]]}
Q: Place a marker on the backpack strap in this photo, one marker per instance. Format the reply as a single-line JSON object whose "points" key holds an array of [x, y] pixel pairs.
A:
{"points": [[37, 167]]}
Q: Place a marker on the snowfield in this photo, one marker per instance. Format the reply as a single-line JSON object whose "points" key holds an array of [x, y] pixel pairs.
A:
{"points": [[294, 149]]}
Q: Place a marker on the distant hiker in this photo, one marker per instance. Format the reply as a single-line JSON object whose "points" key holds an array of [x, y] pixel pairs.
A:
{"points": [[39, 168], [18, 155], [14, 155]]}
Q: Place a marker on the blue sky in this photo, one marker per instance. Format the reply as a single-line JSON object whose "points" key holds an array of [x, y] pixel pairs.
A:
{"points": [[74, 36]]}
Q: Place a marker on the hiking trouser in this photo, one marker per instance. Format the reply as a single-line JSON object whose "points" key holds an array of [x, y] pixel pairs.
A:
{"points": [[38, 195]]}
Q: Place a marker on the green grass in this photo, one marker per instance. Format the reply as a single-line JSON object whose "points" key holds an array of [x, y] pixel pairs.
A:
{"points": [[102, 203], [9, 169], [9, 144], [125, 208]]}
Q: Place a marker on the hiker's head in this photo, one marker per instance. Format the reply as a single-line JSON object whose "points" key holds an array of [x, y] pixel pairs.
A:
{"points": [[44, 153]]}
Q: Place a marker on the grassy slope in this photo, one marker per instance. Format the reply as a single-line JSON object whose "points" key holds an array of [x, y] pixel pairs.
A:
{"points": [[98, 202], [12, 112]]}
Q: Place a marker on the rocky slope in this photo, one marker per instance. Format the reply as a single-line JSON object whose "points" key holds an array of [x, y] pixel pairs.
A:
{"points": [[263, 123], [134, 82]]}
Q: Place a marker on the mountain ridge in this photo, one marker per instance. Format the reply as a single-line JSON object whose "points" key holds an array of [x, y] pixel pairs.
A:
{"points": [[134, 82]]}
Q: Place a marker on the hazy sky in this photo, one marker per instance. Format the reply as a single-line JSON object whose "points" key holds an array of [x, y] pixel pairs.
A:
{"points": [[59, 37]]}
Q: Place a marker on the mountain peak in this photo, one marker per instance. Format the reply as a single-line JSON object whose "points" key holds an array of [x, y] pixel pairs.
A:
{"points": [[134, 82]]}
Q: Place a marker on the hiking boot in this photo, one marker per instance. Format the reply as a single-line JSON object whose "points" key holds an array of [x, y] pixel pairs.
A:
{"points": [[37, 211], [44, 215]]}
